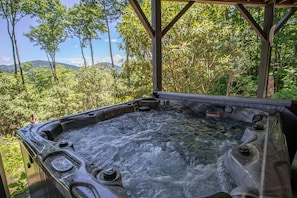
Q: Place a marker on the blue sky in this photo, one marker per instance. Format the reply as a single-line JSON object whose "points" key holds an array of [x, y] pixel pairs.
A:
{"points": [[69, 53]]}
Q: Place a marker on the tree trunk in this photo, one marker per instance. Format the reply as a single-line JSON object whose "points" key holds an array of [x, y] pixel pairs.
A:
{"points": [[128, 69], [111, 56], [50, 63], [295, 50], [92, 53], [51, 60], [229, 84], [109, 42], [110, 46], [54, 67], [82, 51], [19, 59], [270, 87], [12, 45]]}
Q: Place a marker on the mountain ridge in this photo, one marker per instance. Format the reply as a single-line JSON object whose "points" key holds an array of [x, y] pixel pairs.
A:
{"points": [[40, 63]]}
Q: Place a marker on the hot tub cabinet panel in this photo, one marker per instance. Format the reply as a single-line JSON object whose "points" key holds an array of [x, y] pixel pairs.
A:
{"points": [[259, 164], [40, 184]]}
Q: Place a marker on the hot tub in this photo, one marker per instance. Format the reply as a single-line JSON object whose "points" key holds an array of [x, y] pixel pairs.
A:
{"points": [[169, 145]]}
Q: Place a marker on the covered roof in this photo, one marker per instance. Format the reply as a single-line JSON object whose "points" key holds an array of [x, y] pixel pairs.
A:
{"points": [[278, 3]]}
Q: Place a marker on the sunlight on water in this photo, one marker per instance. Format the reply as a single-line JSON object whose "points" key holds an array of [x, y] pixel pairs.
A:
{"points": [[162, 153]]}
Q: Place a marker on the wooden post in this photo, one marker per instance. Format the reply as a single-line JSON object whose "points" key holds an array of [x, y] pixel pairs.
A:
{"points": [[265, 52], [4, 192], [157, 45], [270, 87]]}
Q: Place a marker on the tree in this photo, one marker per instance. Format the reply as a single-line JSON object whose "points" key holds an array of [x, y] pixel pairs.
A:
{"points": [[284, 58], [211, 50], [16, 103], [12, 12], [196, 51], [112, 10], [94, 86], [242, 78], [50, 32], [85, 22]]}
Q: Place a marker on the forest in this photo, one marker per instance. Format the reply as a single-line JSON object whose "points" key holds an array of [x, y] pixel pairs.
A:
{"points": [[211, 50]]}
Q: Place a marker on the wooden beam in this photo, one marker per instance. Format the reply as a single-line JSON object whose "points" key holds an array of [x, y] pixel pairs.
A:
{"points": [[247, 15], [284, 20], [177, 17], [226, 2], [135, 5], [253, 3], [157, 45], [265, 52]]}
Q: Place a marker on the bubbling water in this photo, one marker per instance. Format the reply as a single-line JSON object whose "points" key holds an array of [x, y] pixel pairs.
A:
{"points": [[162, 153]]}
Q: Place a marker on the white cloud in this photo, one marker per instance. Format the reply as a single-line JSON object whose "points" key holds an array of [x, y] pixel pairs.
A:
{"points": [[6, 60], [118, 59], [78, 61], [105, 59], [112, 40]]}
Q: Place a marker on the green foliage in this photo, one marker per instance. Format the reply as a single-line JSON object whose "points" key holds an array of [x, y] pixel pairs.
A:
{"points": [[202, 52], [287, 92], [13, 11], [13, 164], [85, 23], [15, 102], [19, 186], [50, 32], [85, 20], [284, 56], [289, 87], [112, 8], [136, 77], [77, 91], [39, 95], [211, 50], [95, 86], [137, 41]]}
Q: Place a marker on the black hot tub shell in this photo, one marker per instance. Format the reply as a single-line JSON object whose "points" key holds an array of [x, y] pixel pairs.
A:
{"points": [[259, 165]]}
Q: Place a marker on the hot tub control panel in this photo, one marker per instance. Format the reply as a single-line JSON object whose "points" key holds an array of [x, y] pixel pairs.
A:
{"points": [[61, 164], [72, 172]]}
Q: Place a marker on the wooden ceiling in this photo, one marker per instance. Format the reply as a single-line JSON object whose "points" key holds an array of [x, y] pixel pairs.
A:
{"points": [[257, 3]]}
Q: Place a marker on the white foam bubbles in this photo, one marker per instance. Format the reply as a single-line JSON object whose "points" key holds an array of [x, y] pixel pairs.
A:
{"points": [[161, 153]]}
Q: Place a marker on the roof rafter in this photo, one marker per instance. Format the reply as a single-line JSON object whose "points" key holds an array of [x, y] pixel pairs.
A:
{"points": [[244, 12], [142, 17], [180, 14], [280, 24], [278, 3]]}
